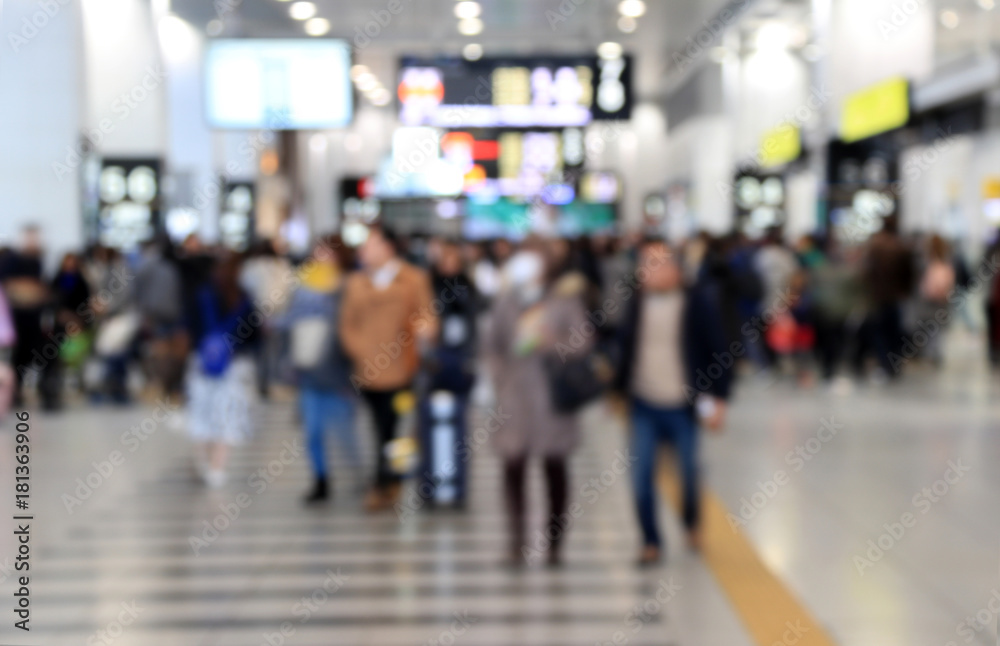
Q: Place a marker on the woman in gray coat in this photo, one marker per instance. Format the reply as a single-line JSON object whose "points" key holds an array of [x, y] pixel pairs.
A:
{"points": [[540, 314]]}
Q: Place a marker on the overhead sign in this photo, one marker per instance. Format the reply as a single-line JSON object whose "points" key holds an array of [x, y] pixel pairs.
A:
{"points": [[874, 110], [780, 146], [514, 93]]}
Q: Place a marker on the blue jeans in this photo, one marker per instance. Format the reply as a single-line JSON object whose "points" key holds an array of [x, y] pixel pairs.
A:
{"points": [[650, 426], [320, 410]]}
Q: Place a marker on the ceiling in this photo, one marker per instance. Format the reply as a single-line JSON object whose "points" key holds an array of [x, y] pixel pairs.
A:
{"points": [[429, 27]]}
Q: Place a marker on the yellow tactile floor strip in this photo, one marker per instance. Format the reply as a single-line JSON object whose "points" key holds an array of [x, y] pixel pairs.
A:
{"points": [[772, 615]]}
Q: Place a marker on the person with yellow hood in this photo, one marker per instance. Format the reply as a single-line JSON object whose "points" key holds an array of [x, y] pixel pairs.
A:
{"points": [[323, 370]]}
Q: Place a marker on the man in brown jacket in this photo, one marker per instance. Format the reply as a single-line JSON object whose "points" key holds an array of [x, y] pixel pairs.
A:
{"points": [[387, 314]]}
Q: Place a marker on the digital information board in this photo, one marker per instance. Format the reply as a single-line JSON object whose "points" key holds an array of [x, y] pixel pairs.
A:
{"points": [[514, 92]]}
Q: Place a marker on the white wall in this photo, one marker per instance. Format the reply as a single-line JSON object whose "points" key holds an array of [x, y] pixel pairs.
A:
{"points": [[942, 187], [773, 88], [873, 40], [700, 153], [190, 143], [41, 88], [125, 78]]}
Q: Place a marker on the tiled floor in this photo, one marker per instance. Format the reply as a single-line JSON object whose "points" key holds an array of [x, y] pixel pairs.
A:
{"points": [[437, 578]]}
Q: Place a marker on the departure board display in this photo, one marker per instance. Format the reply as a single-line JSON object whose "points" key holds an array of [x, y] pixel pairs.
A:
{"points": [[514, 93]]}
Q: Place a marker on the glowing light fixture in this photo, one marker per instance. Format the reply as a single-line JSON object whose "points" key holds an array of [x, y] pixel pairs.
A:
{"points": [[468, 10], [317, 26], [627, 24], [302, 10], [472, 52], [470, 27], [632, 8], [609, 50]]}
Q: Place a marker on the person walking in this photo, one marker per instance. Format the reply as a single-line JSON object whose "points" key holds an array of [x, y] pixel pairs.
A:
{"points": [[386, 316], [220, 376], [676, 370], [542, 307], [323, 371], [450, 375]]}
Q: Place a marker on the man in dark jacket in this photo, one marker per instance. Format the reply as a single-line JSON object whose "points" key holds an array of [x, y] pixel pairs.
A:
{"points": [[450, 377], [675, 368]]}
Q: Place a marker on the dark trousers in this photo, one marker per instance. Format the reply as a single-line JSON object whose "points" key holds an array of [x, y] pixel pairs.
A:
{"points": [[652, 425], [35, 351], [887, 335], [385, 419], [557, 481], [830, 338]]}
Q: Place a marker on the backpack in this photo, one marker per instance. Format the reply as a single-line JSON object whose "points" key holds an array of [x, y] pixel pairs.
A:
{"points": [[215, 352]]}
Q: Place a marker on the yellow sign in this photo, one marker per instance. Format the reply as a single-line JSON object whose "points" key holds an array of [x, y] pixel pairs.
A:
{"points": [[876, 109], [780, 145], [991, 188]]}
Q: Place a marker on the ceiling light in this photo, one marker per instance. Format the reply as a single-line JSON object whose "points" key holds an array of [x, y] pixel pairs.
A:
{"points": [[380, 97], [470, 27], [609, 50], [467, 10], [472, 52], [627, 24], [317, 26], [773, 36], [214, 27], [302, 10], [367, 82], [985, 5], [949, 19], [358, 71], [632, 8]]}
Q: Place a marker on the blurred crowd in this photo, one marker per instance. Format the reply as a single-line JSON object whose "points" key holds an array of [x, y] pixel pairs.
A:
{"points": [[417, 329]]}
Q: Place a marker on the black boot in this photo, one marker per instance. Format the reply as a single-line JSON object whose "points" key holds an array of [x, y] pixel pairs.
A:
{"points": [[320, 492]]}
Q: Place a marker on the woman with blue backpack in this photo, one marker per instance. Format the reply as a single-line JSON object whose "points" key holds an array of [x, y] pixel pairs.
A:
{"points": [[223, 328]]}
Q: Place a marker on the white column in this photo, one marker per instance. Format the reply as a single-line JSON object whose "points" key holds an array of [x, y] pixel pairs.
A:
{"points": [[41, 86]]}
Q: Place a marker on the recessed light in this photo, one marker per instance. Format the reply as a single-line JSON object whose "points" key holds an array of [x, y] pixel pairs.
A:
{"points": [[949, 19], [367, 82], [472, 52], [632, 8], [470, 27], [986, 5], [317, 26], [609, 50], [214, 27], [302, 10], [627, 24], [467, 10], [358, 71]]}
